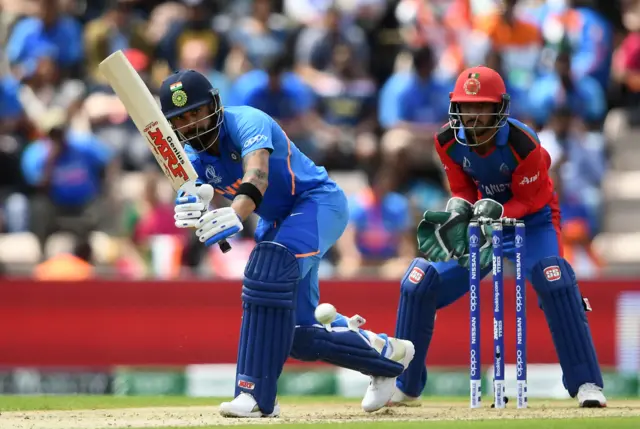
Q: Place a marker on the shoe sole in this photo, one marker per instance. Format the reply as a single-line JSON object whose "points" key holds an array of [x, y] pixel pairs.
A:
{"points": [[411, 404], [253, 415], [592, 403]]}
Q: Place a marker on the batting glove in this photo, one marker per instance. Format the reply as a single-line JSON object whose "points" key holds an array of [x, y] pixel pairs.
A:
{"points": [[218, 225], [190, 208]]}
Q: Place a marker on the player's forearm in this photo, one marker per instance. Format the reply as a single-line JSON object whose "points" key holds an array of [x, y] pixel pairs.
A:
{"points": [[256, 173]]}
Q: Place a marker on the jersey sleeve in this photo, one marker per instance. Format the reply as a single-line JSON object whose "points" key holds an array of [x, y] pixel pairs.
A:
{"points": [[254, 132], [461, 184], [530, 184]]}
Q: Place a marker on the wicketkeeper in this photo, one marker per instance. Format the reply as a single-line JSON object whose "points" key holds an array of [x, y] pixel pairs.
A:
{"points": [[496, 168]]}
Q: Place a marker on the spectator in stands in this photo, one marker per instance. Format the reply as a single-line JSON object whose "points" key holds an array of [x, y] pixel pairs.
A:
{"points": [[67, 170], [626, 60], [445, 26], [72, 266], [44, 86], [380, 235], [196, 54], [347, 107], [578, 163], [282, 95], [151, 216], [315, 45], [13, 123], [518, 89], [198, 25], [258, 37], [411, 107], [49, 27], [110, 121], [552, 91], [518, 41], [117, 29]]}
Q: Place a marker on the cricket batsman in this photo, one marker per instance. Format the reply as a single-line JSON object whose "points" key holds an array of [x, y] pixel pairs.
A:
{"points": [[245, 156], [496, 168]]}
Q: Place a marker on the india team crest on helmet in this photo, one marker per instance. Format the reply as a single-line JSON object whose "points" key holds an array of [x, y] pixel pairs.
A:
{"points": [[472, 85], [179, 98]]}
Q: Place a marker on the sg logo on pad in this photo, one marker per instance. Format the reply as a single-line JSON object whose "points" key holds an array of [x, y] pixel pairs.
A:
{"points": [[416, 275], [552, 273]]}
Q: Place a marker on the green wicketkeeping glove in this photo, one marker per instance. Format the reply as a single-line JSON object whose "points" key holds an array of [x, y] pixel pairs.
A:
{"points": [[483, 209], [442, 235]]}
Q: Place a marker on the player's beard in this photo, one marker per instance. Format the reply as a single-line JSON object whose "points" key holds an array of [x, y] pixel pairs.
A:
{"points": [[478, 131], [202, 137]]}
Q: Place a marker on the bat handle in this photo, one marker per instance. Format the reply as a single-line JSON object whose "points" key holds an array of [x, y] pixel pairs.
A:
{"points": [[224, 246]]}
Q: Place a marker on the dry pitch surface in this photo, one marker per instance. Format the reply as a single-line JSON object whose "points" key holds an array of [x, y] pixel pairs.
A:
{"points": [[295, 411]]}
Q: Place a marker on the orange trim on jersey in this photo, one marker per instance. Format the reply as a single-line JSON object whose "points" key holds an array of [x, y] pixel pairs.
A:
{"points": [[293, 176], [305, 255]]}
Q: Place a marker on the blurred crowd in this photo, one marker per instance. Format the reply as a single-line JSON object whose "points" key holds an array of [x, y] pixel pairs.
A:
{"points": [[359, 85]]}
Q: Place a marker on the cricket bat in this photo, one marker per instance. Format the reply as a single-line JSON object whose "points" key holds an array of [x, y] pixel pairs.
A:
{"points": [[149, 120]]}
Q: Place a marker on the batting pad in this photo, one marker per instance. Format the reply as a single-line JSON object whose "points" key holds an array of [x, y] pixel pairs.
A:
{"points": [[416, 320], [557, 289], [268, 321], [344, 348]]}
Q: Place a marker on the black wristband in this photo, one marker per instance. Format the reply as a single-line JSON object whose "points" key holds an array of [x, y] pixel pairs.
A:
{"points": [[250, 190]]}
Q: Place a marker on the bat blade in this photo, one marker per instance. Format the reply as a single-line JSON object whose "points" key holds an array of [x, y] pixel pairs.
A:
{"points": [[149, 120], [151, 123]]}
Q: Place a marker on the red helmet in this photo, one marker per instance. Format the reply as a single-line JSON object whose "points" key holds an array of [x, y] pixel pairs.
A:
{"points": [[477, 85]]}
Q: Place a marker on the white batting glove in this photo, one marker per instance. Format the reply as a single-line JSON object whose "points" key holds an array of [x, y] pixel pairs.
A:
{"points": [[190, 208], [217, 225]]}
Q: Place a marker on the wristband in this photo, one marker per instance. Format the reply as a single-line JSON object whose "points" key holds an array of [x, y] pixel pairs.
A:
{"points": [[250, 190]]}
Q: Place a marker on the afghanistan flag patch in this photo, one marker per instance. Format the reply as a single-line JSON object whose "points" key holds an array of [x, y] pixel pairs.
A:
{"points": [[473, 76], [175, 86]]}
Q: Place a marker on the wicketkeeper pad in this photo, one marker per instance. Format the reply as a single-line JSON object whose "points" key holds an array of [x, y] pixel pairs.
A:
{"points": [[268, 321], [557, 289], [416, 320]]}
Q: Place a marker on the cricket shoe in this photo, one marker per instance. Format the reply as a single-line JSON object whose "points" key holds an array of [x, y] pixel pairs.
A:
{"points": [[245, 406], [400, 399], [591, 396], [381, 389]]}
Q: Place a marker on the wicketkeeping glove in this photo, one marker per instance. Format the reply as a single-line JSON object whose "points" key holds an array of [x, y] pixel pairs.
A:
{"points": [[483, 209], [442, 234]]}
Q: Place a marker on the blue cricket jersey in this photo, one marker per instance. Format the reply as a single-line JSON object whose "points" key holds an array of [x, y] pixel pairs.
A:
{"points": [[244, 130]]}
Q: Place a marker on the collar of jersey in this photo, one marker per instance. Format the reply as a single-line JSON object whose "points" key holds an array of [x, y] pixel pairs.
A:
{"points": [[501, 136]]}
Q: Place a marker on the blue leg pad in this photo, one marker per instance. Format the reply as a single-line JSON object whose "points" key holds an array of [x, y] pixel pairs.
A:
{"points": [[344, 348], [268, 321], [416, 319], [557, 289]]}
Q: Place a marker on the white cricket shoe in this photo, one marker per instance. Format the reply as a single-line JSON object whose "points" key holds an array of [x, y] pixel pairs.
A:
{"points": [[400, 399], [244, 405], [381, 389], [591, 396]]}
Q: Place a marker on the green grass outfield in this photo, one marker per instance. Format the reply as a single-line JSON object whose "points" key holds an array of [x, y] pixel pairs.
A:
{"points": [[608, 423], [304, 413]]}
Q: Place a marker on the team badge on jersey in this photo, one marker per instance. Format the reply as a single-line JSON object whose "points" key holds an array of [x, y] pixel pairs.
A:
{"points": [[504, 169]]}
